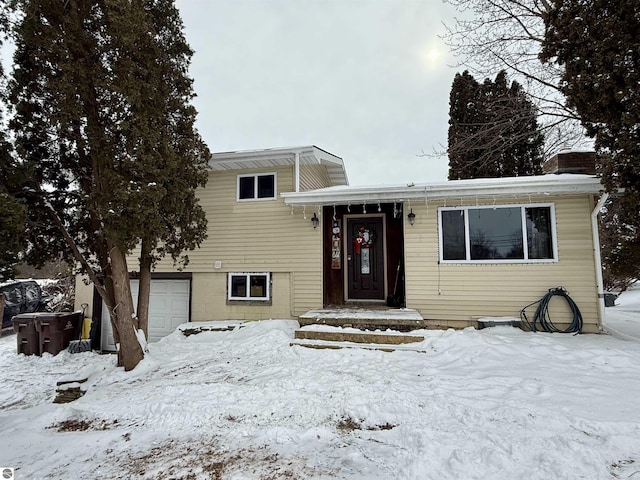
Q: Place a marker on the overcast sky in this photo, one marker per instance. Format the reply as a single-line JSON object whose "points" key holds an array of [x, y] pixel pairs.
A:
{"points": [[366, 80]]}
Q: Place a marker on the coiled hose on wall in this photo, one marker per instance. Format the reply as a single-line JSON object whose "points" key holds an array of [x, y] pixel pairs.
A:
{"points": [[543, 318]]}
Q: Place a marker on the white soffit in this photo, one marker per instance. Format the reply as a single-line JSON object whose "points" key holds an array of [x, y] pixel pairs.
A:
{"points": [[277, 157]]}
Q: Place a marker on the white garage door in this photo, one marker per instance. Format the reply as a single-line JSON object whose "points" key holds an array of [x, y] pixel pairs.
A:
{"points": [[168, 308]]}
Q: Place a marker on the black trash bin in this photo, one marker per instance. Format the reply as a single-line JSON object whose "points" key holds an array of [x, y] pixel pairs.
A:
{"points": [[56, 330], [610, 299], [27, 336]]}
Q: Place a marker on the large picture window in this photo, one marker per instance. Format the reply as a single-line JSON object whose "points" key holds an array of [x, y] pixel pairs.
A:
{"points": [[257, 187], [249, 286], [513, 233]]}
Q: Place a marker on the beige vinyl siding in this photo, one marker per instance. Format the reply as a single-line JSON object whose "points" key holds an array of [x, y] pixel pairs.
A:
{"points": [[457, 294], [209, 299], [313, 177], [307, 287], [83, 294], [253, 236]]}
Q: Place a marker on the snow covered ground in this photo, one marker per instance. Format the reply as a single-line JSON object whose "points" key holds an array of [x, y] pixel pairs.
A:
{"points": [[623, 320], [492, 404]]}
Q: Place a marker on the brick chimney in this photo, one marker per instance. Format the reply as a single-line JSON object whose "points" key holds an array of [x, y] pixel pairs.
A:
{"points": [[568, 161]]}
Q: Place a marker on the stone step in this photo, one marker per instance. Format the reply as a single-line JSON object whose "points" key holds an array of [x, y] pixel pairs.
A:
{"points": [[322, 344], [69, 390], [194, 328], [400, 319], [354, 335]]}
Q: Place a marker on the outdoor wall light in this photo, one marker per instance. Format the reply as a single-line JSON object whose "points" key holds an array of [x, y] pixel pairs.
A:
{"points": [[315, 221], [411, 217]]}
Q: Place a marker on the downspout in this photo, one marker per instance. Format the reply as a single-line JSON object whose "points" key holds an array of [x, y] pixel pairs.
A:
{"points": [[297, 171], [596, 253]]}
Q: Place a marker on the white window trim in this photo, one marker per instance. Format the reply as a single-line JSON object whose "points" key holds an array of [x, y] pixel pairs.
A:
{"points": [[522, 207], [255, 187], [248, 276]]}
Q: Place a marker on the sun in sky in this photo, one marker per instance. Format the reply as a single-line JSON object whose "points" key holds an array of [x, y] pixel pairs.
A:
{"points": [[433, 55]]}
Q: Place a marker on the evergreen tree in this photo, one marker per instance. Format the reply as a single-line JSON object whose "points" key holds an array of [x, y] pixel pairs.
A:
{"points": [[12, 222], [620, 248], [598, 45], [105, 131], [12, 212], [464, 123], [160, 130], [494, 35], [493, 129]]}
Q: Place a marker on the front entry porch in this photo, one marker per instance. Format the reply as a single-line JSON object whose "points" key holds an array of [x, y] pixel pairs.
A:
{"points": [[374, 318], [379, 328], [363, 251]]}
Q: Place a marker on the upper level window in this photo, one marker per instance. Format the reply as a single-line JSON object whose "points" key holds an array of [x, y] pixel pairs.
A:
{"points": [[498, 234], [257, 187]]}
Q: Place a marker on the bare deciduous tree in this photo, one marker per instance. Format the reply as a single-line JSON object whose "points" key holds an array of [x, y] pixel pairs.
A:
{"points": [[493, 35]]}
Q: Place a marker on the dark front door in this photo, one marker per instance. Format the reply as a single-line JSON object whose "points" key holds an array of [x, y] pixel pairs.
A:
{"points": [[365, 258]]}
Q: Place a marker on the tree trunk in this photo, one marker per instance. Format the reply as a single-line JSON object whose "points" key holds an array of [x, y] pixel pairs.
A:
{"points": [[109, 299], [130, 352], [144, 289], [103, 283], [1, 309]]}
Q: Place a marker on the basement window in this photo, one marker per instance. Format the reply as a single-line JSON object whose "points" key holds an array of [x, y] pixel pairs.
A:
{"points": [[503, 234], [249, 286], [257, 187]]}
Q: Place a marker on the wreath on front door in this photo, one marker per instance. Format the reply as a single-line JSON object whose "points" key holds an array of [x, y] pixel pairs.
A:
{"points": [[363, 240]]}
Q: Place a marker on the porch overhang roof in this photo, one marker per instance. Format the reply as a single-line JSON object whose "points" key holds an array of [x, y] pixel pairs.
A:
{"points": [[564, 184], [277, 157]]}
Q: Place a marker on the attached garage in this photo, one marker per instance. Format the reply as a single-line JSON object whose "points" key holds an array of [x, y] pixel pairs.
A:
{"points": [[169, 306]]}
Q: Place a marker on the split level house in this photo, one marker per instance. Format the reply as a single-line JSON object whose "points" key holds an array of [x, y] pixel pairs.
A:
{"points": [[288, 235]]}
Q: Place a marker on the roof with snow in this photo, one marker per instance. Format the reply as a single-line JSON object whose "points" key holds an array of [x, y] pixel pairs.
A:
{"points": [[551, 184]]}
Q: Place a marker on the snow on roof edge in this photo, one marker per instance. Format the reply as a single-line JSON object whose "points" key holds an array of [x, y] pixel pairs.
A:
{"points": [[537, 184]]}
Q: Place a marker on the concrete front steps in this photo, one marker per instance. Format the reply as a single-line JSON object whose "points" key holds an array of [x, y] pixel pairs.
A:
{"points": [[332, 337], [370, 318]]}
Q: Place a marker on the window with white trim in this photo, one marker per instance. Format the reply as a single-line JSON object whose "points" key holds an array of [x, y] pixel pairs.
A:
{"points": [[254, 286], [260, 186], [508, 234]]}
